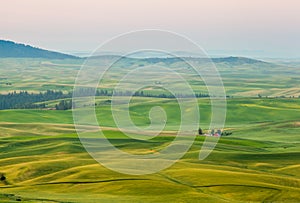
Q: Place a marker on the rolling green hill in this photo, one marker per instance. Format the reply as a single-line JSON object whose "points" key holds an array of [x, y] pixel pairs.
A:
{"points": [[44, 161], [240, 79]]}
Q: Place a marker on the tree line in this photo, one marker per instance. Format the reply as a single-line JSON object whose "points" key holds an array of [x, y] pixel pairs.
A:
{"points": [[105, 92], [25, 100]]}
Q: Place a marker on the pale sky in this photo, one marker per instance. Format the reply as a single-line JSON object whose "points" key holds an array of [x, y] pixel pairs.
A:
{"points": [[257, 28]]}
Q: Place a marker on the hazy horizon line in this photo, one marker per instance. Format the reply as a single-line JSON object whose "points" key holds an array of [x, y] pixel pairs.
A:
{"points": [[215, 53]]}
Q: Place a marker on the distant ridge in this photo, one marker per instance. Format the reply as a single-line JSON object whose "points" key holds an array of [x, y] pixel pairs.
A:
{"points": [[236, 60], [227, 60], [10, 49]]}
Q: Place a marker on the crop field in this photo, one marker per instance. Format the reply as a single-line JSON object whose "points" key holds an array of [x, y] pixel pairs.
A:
{"points": [[44, 161], [247, 80]]}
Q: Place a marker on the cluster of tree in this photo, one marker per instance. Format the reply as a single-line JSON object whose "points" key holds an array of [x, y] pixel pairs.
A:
{"points": [[282, 96], [63, 105], [85, 91], [7, 83], [148, 94], [224, 133], [23, 99]]}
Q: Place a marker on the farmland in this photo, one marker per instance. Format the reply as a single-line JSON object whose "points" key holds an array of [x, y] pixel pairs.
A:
{"points": [[43, 160]]}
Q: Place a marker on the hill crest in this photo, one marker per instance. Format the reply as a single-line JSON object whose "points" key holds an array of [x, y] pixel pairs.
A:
{"points": [[10, 49]]}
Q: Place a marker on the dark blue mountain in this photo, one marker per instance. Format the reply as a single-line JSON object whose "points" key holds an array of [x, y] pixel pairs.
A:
{"points": [[9, 49]]}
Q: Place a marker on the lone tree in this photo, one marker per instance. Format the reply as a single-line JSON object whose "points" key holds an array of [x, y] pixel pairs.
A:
{"points": [[226, 133], [200, 132], [2, 177]]}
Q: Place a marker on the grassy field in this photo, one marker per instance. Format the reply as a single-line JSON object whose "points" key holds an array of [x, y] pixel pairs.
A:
{"points": [[44, 161], [247, 80]]}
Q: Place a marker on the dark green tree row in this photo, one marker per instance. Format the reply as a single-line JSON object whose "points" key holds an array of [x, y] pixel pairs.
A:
{"points": [[85, 91], [147, 94], [23, 99]]}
